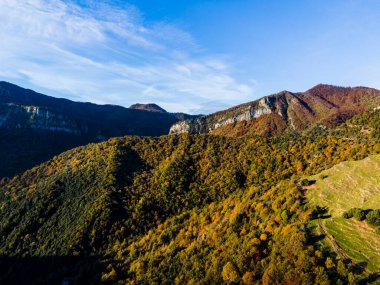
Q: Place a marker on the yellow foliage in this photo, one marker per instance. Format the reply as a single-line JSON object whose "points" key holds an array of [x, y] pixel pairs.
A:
{"points": [[287, 229], [263, 237], [230, 273]]}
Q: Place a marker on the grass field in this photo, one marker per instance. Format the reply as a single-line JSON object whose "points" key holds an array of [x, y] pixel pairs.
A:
{"points": [[345, 186]]}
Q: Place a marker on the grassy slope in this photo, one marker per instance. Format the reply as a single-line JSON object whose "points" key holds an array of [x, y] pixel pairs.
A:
{"points": [[345, 186]]}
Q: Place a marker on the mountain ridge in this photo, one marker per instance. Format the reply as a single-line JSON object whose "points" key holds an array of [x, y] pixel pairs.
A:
{"points": [[35, 127], [137, 113], [285, 111]]}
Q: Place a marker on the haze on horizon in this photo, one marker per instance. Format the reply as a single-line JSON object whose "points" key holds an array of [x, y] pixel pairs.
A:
{"points": [[187, 56]]}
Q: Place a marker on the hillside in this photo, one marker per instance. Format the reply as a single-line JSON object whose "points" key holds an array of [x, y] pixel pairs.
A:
{"points": [[176, 209], [286, 111], [35, 127], [345, 186]]}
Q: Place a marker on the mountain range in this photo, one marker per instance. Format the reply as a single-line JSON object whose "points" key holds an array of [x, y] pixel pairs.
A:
{"points": [[242, 196], [35, 127]]}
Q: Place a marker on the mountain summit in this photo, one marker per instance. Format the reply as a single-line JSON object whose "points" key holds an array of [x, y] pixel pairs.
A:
{"points": [[148, 107]]}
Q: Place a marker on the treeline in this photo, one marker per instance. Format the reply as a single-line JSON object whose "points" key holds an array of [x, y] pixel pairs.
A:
{"points": [[372, 217]]}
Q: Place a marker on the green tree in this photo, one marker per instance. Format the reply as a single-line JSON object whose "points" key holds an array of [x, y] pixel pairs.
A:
{"points": [[230, 273]]}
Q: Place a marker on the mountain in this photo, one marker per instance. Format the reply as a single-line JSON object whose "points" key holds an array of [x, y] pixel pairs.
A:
{"points": [[179, 209], [23, 108], [148, 107], [276, 114], [35, 127]]}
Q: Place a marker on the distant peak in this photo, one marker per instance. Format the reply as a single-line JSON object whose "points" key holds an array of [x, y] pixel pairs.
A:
{"points": [[324, 87], [148, 107], [283, 92]]}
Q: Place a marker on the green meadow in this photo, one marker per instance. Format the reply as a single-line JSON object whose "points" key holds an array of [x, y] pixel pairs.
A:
{"points": [[340, 188]]}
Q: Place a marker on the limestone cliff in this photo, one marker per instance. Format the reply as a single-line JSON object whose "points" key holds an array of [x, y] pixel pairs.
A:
{"points": [[35, 117]]}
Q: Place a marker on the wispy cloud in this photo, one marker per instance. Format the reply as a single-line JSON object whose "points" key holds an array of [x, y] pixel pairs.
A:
{"points": [[108, 54]]}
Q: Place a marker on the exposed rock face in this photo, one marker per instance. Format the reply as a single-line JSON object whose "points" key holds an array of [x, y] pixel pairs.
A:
{"points": [[37, 118], [205, 124], [297, 111], [180, 127]]}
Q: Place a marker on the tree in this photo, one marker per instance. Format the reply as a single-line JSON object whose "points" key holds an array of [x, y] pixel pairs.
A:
{"points": [[359, 214], [230, 273], [248, 278]]}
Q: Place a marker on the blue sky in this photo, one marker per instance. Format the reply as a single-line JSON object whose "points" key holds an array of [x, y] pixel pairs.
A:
{"points": [[190, 56]]}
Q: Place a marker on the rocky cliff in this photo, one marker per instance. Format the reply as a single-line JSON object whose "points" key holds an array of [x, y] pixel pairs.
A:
{"points": [[35, 117]]}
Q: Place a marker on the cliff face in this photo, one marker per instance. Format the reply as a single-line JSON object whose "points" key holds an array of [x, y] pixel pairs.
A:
{"points": [[324, 104], [205, 124], [18, 116]]}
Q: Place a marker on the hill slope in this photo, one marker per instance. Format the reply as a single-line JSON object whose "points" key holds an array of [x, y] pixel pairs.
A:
{"points": [[35, 127], [175, 209], [286, 111], [345, 186]]}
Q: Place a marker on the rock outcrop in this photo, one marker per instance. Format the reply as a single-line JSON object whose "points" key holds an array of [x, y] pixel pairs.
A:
{"points": [[35, 117]]}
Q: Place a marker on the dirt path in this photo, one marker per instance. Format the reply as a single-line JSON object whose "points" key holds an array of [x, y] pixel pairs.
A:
{"points": [[338, 249], [334, 244]]}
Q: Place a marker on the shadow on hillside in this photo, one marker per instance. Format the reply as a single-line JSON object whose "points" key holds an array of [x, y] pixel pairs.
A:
{"points": [[360, 268], [372, 278], [60, 270], [317, 238], [320, 213]]}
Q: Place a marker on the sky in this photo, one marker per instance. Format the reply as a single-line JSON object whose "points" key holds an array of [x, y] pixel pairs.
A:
{"points": [[187, 56]]}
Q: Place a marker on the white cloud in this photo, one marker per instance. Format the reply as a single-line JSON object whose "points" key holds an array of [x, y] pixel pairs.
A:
{"points": [[107, 54]]}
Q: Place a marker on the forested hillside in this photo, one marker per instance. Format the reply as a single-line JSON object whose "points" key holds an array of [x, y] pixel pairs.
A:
{"points": [[179, 209]]}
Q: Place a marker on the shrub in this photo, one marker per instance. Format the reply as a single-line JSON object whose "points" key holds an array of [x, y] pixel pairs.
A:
{"points": [[373, 218], [357, 213], [307, 182], [347, 215]]}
